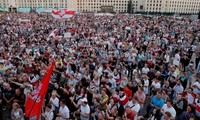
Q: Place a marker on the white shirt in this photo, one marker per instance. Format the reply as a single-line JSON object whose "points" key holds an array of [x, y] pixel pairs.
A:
{"points": [[178, 88], [196, 90], [176, 60], [123, 83], [145, 70], [9, 66], [146, 86], [167, 58], [85, 110], [64, 112], [156, 85], [135, 108], [55, 102], [197, 105], [171, 110], [49, 115], [113, 82], [190, 98]]}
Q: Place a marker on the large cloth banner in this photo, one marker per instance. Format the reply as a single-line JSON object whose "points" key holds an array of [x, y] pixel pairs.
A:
{"points": [[62, 13], [35, 100]]}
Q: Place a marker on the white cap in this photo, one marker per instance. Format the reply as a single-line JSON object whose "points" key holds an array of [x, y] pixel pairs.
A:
{"points": [[84, 100]]}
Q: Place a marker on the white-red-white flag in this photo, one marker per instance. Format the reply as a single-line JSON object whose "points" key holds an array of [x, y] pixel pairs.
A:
{"points": [[62, 13], [53, 34]]}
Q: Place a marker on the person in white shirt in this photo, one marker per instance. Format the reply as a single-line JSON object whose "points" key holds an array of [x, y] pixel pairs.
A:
{"points": [[63, 111], [48, 115], [145, 69], [84, 110], [178, 88], [167, 57], [146, 85], [123, 82], [155, 85], [196, 87], [169, 108], [135, 106], [113, 82], [177, 59], [54, 101]]}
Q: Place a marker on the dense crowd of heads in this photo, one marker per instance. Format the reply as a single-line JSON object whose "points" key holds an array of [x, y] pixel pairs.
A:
{"points": [[120, 67]]}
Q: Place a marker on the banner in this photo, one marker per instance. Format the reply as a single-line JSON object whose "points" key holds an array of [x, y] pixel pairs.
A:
{"points": [[62, 13], [24, 10], [34, 102]]}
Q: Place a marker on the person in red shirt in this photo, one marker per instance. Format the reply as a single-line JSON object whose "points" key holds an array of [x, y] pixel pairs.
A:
{"points": [[128, 92], [128, 114]]}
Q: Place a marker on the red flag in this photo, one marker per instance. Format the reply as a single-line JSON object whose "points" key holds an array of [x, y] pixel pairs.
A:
{"points": [[34, 102]]}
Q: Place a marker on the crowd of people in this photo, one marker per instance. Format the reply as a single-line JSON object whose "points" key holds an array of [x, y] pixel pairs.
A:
{"points": [[121, 67]]}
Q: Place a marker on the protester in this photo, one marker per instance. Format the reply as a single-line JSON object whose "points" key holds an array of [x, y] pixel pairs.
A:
{"points": [[85, 110], [189, 113], [128, 114], [16, 113], [48, 115], [169, 108], [64, 112]]}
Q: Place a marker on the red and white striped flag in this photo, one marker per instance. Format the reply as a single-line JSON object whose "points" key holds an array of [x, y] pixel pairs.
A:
{"points": [[62, 13], [53, 34]]}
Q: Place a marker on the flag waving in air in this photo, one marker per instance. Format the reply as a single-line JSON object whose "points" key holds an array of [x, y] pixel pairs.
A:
{"points": [[53, 34], [35, 100], [62, 13]]}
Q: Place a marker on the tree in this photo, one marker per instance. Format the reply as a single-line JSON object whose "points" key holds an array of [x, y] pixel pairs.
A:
{"points": [[129, 8]]}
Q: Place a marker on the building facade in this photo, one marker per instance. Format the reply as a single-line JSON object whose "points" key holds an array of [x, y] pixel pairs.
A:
{"points": [[148, 6], [169, 6], [96, 5], [119, 6], [34, 4], [46, 3]]}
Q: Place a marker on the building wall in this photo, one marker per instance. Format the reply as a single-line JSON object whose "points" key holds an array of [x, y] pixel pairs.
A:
{"points": [[4, 3], [183, 6], [95, 5], [47, 4], [169, 6], [173, 6], [43, 3]]}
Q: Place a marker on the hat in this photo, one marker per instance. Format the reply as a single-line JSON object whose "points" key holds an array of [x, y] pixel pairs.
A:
{"points": [[84, 100]]}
